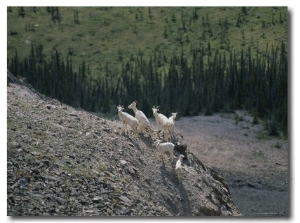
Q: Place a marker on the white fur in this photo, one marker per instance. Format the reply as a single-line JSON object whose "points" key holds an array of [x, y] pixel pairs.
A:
{"points": [[140, 116], [164, 147], [165, 124], [161, 120], [155, 114], [178, 162], [127, 119], [171, 123]]}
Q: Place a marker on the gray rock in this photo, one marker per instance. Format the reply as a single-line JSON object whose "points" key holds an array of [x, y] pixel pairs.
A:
{"points": [[97, 199], [125, 199], [123, 162]]}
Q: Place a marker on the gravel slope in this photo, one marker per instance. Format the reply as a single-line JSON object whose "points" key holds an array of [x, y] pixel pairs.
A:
{"points": [[255, 166], [66, 162]]}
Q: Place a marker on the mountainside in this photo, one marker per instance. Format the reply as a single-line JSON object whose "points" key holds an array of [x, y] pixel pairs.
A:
{"points": [[107, 36], [66, 162]]}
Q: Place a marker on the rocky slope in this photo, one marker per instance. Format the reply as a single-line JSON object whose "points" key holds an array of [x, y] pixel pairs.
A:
{"points": [[66, 162], [255, 166]]}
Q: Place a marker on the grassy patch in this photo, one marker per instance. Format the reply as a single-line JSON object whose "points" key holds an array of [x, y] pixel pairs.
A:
{"points": [[130, 29], [262, 135], [278, 145], [258, 154]]}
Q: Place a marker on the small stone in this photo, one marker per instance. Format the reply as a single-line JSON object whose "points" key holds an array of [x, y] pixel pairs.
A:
{"points": [[107, 130], [97, 199], [23, 182], [124, 211], [60, 200], [46, 162], [16, 144], [73, 192], [125, 199], [123, 162], [35, 153], [68, 163], [96, 172], [55, 165]]}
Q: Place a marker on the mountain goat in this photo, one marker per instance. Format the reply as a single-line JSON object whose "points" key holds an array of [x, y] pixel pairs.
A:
{"points": [[160, 119], [171, 123], [140, 116], [166, 125], [165, 147], [127, 119]]}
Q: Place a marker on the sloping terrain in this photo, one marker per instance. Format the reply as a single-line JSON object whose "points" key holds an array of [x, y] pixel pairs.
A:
{"points": [[255, 165], [108, 36], [66, 162]]}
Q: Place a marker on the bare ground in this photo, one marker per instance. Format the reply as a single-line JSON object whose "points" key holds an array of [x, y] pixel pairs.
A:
{"points": [[63, 161], [255, 165]]}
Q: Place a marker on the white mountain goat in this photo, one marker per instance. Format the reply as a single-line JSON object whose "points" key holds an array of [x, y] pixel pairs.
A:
{"points": [[166, 125], [127, 119], [164, 147], [155, 114], [161, 120], [171, 124], [178, 162], [178, 167], [140, 116]]}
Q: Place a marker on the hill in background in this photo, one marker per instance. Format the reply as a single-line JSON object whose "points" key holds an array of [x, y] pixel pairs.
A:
{"points": [[106, 36]]}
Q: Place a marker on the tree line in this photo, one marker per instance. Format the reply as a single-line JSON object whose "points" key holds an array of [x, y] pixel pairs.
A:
{"points": [[207, 83]]}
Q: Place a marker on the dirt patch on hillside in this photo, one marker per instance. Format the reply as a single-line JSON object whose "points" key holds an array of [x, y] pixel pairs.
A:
{"points": [[255, 166]]}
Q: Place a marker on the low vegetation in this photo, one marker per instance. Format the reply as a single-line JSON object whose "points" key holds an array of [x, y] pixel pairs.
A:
{"points": [[185, 59]]}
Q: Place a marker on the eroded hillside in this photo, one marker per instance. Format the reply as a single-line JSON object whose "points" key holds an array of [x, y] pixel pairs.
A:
{"points": [[67, 162]]}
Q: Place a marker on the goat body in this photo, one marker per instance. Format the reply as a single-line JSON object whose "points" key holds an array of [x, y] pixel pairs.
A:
{"points": [[171, 124], [161, 120], [155, 114], [163, 123], [127, 119], [140, 116], [178, 162], [165, 147]]}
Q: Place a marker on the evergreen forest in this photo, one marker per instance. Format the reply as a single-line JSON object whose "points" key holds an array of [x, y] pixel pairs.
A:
{"points": [[190, 60]]}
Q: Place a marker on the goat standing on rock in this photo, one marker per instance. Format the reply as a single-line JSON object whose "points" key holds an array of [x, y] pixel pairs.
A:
{"points": [[163, 123], [178, 167], [127, 119], [155, 114], [171, 125], [164, 147], [178, 163], [140, 116], [161, 120]]}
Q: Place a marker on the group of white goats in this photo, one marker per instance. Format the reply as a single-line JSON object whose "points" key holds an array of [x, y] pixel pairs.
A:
{"points": [[141, 122]]}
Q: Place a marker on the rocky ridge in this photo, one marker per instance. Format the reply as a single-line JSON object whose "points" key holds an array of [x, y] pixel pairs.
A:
{"points": [[63, 161]]}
